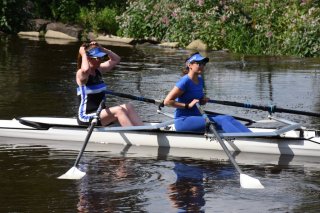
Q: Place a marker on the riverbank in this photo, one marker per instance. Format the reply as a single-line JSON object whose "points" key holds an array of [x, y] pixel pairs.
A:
{"points": [[63, 33]]}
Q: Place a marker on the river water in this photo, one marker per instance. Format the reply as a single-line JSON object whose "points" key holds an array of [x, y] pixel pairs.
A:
{"points": [[37, 79]]}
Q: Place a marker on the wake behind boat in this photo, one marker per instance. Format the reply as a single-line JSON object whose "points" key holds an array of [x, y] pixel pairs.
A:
{"points": [[289, 139]]}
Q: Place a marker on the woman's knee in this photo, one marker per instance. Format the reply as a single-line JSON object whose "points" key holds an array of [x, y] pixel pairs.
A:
{"points": [[121, 111], [117, 111]]}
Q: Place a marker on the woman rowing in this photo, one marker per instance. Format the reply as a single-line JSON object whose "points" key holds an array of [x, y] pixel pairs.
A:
{"points": [[187, 92], [92, 63]]}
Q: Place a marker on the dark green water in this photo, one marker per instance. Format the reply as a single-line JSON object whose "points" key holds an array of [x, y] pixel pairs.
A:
{"points": [[37, 79]]}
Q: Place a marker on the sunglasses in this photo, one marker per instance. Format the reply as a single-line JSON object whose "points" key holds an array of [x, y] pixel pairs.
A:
{"points": [[200, 63], [104, 58]]}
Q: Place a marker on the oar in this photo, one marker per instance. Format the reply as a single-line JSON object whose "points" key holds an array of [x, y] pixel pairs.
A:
{"points": [[74, 172], [270, 109], [245, 180], [250, 121], [137, 98]]}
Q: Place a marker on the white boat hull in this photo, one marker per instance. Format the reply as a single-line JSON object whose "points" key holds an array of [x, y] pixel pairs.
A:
{"points": [[289, 143]]}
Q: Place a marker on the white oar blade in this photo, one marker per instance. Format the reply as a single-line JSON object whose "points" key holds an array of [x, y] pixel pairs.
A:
{"points": [[248, 182], [73, 173]]}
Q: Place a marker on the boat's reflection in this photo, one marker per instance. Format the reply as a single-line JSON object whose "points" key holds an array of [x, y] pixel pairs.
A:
{"points": [[194, 171], [164, 152], [192, 179], [240, 157]]}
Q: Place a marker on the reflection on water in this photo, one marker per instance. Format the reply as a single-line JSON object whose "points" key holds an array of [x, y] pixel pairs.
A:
{"points": [[131, 182], [187, 193]]}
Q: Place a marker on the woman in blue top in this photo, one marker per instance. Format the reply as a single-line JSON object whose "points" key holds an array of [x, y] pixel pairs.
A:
{"points": [[187, 92], [92, 63]]}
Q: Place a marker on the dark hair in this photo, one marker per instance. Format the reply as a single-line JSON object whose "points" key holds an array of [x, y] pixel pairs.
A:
{"points": [[185, 70]]}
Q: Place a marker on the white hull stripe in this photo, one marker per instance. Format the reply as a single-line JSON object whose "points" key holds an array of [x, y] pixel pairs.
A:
{"points": [[92, 89]]}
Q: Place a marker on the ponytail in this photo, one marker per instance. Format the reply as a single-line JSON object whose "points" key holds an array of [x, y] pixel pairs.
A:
{"points": [[185, 71]]}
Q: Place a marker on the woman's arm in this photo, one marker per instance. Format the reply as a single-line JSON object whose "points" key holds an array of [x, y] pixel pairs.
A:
{"points": [[170, 100], [114, 59], [83, 72], [175, 93]]}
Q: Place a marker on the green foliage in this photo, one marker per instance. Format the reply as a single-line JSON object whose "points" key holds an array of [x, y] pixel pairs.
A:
{"points": [[282, 27], [302, 34], [65, 10], [103, 20], [260, 27], [86, 18], [97, 15], [41, 9], [14, 14], [168, 20], [106, 21]]}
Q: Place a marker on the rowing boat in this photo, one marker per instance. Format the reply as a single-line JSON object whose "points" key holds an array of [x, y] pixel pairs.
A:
{"points": [[288, 139]]}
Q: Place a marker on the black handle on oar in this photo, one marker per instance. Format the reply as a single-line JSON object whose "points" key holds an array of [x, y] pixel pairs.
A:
{"points": [[137, 98], [245, 180], [74, 172], [270, 109]]}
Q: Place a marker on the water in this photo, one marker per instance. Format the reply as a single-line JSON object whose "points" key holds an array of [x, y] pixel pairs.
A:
{"points": [[131, 182], [37, 79]]}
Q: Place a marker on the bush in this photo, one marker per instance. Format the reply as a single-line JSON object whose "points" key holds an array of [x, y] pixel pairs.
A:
{"points": [[302, 34], [106, 21], [166, 20], [65, 10], [260, 27], [280, 28], [14, 15], [99, 21]]}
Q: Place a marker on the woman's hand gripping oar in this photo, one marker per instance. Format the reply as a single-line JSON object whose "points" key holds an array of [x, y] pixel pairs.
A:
{"points": [[74, 172], [246, 181]]}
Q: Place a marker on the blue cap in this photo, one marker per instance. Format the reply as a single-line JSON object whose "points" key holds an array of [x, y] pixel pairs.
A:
{"points": [[196, 57], [96, 52]]}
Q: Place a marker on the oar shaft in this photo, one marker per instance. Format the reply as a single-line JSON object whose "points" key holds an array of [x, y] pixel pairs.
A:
{"points": [[271, 108], [245, 180], [219, 139], [137, 98], [277, 109], [225, 148], [92, 125]]}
